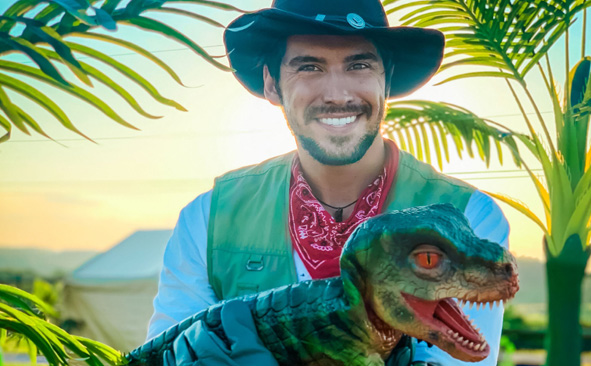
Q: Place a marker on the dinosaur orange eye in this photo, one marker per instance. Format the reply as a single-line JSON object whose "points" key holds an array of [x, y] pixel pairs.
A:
{"points": [[427, 260]]}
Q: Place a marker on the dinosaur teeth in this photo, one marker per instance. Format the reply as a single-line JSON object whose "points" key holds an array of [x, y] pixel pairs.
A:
{"points": [[460, 339], [466, 342], [450, 332], [471, 345], [456, 334], [490, 305]]}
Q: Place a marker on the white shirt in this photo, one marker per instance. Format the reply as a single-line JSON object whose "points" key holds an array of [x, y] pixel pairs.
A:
{"points": [[184, 288]]}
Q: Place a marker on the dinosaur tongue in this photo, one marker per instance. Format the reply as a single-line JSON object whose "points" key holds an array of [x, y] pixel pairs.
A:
{"points": [[445, 311], [449, 313]]}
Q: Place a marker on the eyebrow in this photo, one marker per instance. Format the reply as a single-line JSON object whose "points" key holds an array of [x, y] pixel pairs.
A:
{"points": [[367, 56], [305, 59]]}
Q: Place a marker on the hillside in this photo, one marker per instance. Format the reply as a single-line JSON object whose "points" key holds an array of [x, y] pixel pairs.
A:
{"points": [[39, 262]]}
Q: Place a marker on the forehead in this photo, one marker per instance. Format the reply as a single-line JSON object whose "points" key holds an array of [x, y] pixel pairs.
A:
{"points": [[328, 46]]}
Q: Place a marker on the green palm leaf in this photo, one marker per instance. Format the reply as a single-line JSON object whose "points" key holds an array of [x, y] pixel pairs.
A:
{"points": [[48, 24], [516, 33], [425, 123], [24, 314]]}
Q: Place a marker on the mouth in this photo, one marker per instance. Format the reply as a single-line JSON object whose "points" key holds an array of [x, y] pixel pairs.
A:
{"points": [[446, 317], [338, 121]]}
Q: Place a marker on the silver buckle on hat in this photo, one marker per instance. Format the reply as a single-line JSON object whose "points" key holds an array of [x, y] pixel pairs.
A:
{"points": [[355, 21]]}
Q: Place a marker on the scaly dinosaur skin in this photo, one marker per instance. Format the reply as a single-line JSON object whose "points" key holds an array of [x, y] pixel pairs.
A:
{"points": [[399, 273]]}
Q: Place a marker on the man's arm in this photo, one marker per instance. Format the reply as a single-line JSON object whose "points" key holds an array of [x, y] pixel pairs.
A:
{"points": [[183, 288], [488, 222]]}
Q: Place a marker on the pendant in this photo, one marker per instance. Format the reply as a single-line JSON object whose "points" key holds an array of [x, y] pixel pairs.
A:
{"points": [[338, 216]]}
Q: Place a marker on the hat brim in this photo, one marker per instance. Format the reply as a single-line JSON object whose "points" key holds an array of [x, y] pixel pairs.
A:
{"points": [[416, 53]]}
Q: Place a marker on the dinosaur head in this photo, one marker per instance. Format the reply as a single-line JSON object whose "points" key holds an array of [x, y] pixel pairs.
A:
{"points": [[408, 266]]}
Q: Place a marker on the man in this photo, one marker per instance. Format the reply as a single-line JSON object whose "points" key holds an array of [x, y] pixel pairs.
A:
{"points": [[330, 65]]}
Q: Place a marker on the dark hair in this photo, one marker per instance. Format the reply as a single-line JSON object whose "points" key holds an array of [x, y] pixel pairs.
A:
{"points": [[274, 57]]}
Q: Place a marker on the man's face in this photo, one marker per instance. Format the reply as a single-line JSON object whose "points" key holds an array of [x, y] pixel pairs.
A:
{"points": [[332, 92]]}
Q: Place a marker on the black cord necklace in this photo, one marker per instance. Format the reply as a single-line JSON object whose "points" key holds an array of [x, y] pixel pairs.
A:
{"points": [[338, 215]]}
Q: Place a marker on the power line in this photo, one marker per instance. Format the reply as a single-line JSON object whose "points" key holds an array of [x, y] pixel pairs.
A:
{"points": [[200, 134]]}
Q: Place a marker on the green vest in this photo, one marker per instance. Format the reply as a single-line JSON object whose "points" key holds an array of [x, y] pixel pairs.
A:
{"points": [[248, 245]]}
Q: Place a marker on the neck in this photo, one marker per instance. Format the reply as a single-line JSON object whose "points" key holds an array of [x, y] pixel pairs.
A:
{"points": [[341, 185]]}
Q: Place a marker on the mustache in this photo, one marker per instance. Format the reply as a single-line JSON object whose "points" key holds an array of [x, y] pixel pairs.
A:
{"points": [[312, 112]]}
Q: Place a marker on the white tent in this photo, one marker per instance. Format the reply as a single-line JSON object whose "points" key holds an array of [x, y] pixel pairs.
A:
{"points": [[111, 294]]}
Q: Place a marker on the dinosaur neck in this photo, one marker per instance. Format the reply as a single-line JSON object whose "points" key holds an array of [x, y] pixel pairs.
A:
{"points": [[382, 337]]}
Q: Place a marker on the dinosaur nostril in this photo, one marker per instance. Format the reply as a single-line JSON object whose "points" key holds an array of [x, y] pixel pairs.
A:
{"points": [[509, 269]]}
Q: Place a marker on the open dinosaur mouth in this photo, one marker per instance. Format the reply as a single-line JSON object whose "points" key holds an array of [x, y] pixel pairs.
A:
{"points": [[446, 316]]}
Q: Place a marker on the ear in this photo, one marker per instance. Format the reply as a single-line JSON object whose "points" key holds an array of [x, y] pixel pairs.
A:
{"points": [[270, 90]]}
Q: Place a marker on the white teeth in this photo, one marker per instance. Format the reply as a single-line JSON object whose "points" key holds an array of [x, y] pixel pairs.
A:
{"points": [[476, 347], [338, 121], [471, 345], [460, 339], [456, 335], [466, 342], [450, 332]]}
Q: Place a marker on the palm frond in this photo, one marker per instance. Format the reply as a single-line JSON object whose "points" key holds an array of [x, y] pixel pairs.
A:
{"points": [[504, 37], [415, 125], [25, 314], [46, 27]]}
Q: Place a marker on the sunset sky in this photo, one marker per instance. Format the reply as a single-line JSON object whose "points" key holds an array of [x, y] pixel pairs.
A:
{"points": [[90, 196]]}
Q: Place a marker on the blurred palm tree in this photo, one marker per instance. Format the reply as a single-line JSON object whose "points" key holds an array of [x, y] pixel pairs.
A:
{"points": [[25, 315], [48, 32], [510, 39]]}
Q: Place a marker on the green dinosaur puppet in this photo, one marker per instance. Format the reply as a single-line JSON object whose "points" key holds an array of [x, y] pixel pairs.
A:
{"points": [[399, 274]]}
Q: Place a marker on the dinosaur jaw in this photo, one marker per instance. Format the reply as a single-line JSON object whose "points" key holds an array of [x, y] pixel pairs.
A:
{"points": [[456, 333]]}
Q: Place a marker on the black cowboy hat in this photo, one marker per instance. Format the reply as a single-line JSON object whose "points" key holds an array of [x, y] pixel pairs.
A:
{"points": [[411, 54]]}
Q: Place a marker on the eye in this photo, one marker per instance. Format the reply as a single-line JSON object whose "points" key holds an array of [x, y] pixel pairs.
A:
{"points": [[308, 68], [427, 260], [359, 66]]}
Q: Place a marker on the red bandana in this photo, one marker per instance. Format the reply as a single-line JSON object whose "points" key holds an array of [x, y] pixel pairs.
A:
{"points": [[315, 235]]}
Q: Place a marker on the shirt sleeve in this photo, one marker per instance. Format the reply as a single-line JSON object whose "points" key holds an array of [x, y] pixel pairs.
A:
{"points": [[184, 288], [488, 222]]}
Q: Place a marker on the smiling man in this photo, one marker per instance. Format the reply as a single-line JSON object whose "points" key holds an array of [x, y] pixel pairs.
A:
{"points": [[331, 65]]}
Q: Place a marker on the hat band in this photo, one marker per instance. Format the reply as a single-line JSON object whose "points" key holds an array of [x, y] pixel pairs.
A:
{"points": [[353, 20]]}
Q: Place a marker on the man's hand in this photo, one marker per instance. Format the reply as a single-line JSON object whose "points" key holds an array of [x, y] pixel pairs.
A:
{"points": [[199, 346]]}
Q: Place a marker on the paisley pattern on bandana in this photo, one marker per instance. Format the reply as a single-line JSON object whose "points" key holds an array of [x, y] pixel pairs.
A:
{"points": [[316, 236]]}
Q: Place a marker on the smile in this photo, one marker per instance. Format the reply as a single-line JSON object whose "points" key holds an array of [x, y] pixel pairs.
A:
{"points": [[338, 121]]}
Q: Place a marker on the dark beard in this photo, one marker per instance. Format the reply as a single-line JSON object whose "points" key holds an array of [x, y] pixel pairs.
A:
{"points": [[322, 157]]}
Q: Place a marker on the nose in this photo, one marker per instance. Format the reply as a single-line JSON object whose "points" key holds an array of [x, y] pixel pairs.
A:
{"points": [[336, 90]]}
